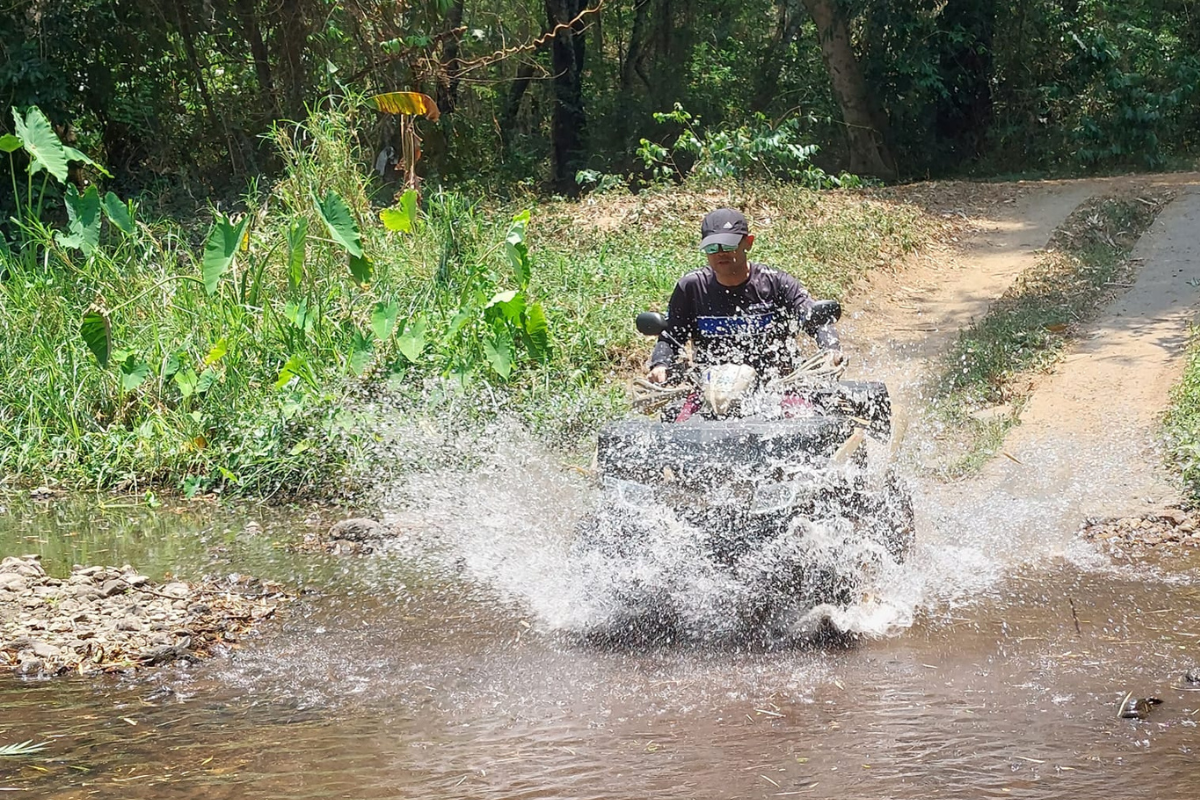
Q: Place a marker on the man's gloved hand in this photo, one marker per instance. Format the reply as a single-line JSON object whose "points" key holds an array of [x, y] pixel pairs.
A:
{"points": [[838, 359], [657, 374]]}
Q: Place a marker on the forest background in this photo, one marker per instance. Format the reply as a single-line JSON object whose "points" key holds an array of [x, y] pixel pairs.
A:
{"points": [[284, 245]]}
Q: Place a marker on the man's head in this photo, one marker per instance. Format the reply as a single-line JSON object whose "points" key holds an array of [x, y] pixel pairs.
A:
{"points": [[725, 239]]}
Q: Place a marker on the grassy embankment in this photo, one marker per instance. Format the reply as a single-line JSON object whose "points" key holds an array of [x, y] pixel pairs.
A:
{"points": [[249, 379], [1183, 422], [994, 366]]}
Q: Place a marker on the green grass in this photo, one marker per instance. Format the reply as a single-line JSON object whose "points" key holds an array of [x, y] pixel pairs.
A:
{"points": [[996, 360], [253, 431], [1182, 422]]}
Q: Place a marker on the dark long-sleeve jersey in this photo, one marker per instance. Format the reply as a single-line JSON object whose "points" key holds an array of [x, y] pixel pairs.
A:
{"points": [[753, 323]]}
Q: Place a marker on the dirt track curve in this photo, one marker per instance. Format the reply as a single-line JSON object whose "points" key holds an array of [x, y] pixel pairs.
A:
{"points": [[1085, 445]]}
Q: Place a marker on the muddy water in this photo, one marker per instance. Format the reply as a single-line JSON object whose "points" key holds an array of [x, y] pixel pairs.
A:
{"points": [[393, 679]]}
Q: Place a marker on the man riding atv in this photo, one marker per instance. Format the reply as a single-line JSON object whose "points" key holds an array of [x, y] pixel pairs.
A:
{"points": [[736, 310]]}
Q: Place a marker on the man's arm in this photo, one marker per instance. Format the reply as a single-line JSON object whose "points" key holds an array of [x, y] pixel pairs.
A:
{"points": [[680, 314], [800, 303]]}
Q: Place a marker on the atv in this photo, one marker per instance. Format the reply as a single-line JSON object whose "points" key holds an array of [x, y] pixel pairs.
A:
{"points": [[747, 503]]}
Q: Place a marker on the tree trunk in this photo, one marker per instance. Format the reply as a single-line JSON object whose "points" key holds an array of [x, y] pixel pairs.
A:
{"points": [[293, 41], [869, 153], [569, 121], [965, 114], [252, 30], [637, 45], [512, 104]]}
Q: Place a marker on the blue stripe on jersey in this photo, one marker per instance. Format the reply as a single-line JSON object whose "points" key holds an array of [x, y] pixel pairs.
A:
{"points": [[732, 326]]}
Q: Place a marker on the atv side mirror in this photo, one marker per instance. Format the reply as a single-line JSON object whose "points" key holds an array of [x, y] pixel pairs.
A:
{"points": [[824, 312], [651, 323]]}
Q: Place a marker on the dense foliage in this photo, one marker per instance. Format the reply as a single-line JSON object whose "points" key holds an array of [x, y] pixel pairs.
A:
{"points": [[179, 96], [265, 352]]}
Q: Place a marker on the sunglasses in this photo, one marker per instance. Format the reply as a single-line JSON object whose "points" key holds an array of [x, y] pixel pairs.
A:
{"points": [[713, 249]]}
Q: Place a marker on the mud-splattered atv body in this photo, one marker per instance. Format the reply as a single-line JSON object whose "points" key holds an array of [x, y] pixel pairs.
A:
{"points": [[778, 511]]}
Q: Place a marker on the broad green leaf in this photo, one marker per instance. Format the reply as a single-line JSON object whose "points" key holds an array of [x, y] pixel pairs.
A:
{"points": [[360, 354], [383, 319], [186, 379], [76, 155], [301, 446], [42, 143], [394, 220], [538, 331], [408, 205], [97, 334], [217, 352], [221, 249], [297, 238], [171, 364], [411, 342], [298, 315], [405, 103], [340, 222], [461, 318], [511, 304], [133, 373], [9, 143], [206, 380], [296, 367], [361, 270], [118, 213], [83, 220], [515, 249], [498, 350]]}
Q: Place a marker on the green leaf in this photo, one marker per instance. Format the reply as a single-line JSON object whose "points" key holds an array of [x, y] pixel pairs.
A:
{"points": [[206, 380], [511, 304], [24, 748], [76, 155], [515, 249], [118, 213], [296, 367], [44, 148], [360, 354], [340, 222], [394, 220], [217, 352], [297, 237], [221, 248], [186, 379], [411, 342], [361, 269], [498, 351], [83, 220], [538, 331], [383, 319], [461, 318], [172, 363], [133, 373], [9, 143], [96, 331]]}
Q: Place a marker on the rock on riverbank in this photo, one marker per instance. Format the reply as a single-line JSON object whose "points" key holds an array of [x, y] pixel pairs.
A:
{"points": [[105, 619], [1170, 526]]}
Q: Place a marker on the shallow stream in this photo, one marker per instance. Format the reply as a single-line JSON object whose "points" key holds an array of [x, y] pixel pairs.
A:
{"points": [[405, 675]]}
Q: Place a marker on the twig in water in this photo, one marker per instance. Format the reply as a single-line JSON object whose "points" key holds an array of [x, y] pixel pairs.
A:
{"points": [[1074, 616]]}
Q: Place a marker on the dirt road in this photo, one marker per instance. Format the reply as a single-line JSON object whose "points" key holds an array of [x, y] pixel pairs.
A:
{"points": [[1085, 443]]}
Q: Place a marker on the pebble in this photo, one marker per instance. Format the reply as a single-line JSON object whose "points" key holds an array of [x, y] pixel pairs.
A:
{"points": [[103, 619]]}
